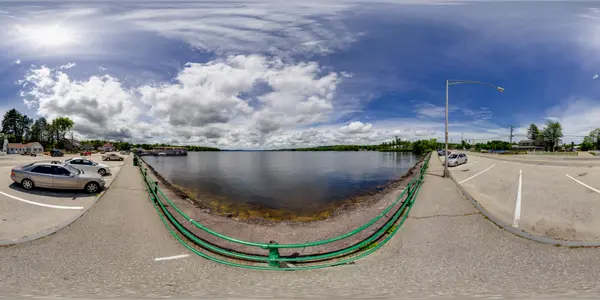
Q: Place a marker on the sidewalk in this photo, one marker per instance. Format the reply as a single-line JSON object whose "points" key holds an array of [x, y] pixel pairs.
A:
{"points": [[443, 198]]}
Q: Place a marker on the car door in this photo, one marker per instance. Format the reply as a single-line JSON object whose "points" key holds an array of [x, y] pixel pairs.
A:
{"points": [[463, 158], [87, 166], [63, 179], [79, 164], [41, 176]]}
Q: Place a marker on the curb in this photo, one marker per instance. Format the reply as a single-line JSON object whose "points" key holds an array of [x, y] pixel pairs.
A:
{"points": [[519, 232], [53, 230], [562, 162]]}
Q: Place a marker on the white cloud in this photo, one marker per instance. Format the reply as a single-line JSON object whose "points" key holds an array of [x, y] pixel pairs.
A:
{"points": [[17, 62], [237, 101], [67, 66], [356, 127], [429, 110], [275, 27]]}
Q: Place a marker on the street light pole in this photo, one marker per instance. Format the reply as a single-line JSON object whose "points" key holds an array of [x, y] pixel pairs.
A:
{"points": [[446, 172], [448, 84]]}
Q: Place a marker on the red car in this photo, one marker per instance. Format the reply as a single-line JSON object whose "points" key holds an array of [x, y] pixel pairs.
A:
{"points": [[86, 153]]}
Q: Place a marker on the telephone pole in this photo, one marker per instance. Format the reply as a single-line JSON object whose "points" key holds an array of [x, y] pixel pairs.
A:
{"points": [[511, 133]]}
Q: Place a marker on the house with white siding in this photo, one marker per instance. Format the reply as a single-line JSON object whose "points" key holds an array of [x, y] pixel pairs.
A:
{"points": [[18, 148]]}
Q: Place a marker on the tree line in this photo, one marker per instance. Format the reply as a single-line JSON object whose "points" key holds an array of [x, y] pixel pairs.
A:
{"points": [[396, 145], [550, 136], [19, 128]]}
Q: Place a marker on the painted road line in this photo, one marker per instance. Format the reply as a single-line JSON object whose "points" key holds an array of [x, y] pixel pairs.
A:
{"points": [[476, 174], [587, 186], [172, 257], [41, 204], [518, 205]]}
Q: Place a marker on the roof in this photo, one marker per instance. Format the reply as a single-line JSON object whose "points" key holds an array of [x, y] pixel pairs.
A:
{"points": [[19, 145], [107, 145]]}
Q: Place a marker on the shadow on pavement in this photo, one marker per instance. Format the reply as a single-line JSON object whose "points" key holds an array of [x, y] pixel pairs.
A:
{"points": [[52, 192]]}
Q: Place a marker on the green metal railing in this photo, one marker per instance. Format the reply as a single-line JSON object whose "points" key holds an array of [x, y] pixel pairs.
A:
{"points": [[272, 258]]}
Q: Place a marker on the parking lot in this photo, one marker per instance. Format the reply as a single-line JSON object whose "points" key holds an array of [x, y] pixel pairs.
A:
{"points": [[558, 201], [26, 215]]}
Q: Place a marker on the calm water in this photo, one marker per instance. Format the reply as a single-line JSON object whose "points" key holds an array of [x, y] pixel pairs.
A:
{"points": [[298, 181]]}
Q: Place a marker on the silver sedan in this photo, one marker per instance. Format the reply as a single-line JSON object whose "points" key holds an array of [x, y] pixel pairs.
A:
{"points": [[56, 176]]}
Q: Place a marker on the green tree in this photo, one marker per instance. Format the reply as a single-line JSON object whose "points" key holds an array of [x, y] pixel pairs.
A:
{"points": [[551, 134], [588, 144], [59, 128], [10, 124], [533, 133], [594, 138]]}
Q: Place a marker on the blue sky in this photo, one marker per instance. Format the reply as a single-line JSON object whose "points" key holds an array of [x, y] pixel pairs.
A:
{"points": [[271, 73]]}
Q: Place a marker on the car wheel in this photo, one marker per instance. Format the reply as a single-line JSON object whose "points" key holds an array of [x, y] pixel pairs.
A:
{"points": [[92, 187], [27, 184], [102, 172]]}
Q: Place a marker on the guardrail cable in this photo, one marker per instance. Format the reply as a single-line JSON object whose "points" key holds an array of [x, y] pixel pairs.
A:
{"points": [[274, 260]]}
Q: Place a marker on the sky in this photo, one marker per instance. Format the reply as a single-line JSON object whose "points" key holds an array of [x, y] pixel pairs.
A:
{"points": [[266, 74]]}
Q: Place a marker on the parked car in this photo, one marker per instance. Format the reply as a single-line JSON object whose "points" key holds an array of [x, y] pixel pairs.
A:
{"points": [[30, 154], [86, 153], [87, 165], [457, 159], [112, 156], [48, 175], [56, 153], [442, 152]]}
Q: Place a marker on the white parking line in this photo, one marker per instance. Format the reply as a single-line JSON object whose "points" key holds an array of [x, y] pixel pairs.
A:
{"points": [[41, 204], [476, 174], [172, 257], [587, 186], [518, 205]]}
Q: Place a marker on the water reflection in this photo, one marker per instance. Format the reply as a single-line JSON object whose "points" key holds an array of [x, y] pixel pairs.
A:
{"points": [[297, 181]]}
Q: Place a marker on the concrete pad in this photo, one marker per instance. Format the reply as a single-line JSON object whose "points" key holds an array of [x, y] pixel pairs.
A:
{"points": [[552, 204], [27, 215]]}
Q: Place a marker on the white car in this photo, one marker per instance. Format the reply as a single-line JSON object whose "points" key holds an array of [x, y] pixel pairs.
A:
{"points": [[457, 159], [88, 166]]}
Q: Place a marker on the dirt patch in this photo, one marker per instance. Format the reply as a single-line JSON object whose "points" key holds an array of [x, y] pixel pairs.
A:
{"points": [[255, 213]]}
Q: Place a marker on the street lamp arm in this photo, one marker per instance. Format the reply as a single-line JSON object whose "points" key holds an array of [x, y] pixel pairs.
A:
{"points": [[454, 82]]}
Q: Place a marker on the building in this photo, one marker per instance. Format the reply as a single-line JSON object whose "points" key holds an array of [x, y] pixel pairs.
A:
{"points": [[87, 147], [71, 145], [529, 145], [18, 148], [108, 147], [170, 151]]}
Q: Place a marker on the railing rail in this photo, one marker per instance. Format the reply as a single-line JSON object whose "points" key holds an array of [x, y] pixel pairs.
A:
{"points": [[273, 258]]}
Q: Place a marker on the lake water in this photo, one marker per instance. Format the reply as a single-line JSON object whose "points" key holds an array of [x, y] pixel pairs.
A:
{"points": [[297, 181]]}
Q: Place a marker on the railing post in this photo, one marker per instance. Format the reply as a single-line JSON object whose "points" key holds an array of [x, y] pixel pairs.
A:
{"points": [[145, 171], [273, 255], [156, 187]]}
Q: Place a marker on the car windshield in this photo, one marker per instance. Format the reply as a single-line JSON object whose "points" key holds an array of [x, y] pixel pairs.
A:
{"points": [[67, 160], [453, 156]]}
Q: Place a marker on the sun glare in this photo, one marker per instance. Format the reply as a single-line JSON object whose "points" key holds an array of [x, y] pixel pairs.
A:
{"points": [[49, 36]]}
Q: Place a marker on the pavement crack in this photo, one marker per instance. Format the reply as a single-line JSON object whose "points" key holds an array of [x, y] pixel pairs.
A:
{"points": [[449, 216]]}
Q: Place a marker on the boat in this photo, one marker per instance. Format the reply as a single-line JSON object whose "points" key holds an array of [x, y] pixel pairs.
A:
{"points": [[161, 154]]}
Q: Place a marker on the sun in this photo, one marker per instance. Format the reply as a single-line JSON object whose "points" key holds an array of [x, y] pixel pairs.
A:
{"points": [[48, 35]]}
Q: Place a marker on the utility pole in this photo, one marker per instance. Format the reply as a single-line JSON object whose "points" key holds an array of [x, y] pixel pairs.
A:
{"points": [[511, 133], [72, 142]]}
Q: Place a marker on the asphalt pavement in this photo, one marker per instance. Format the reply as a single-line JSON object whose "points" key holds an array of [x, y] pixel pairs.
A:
{"points": [[27, 215], [559, 202], [445, 248]]}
